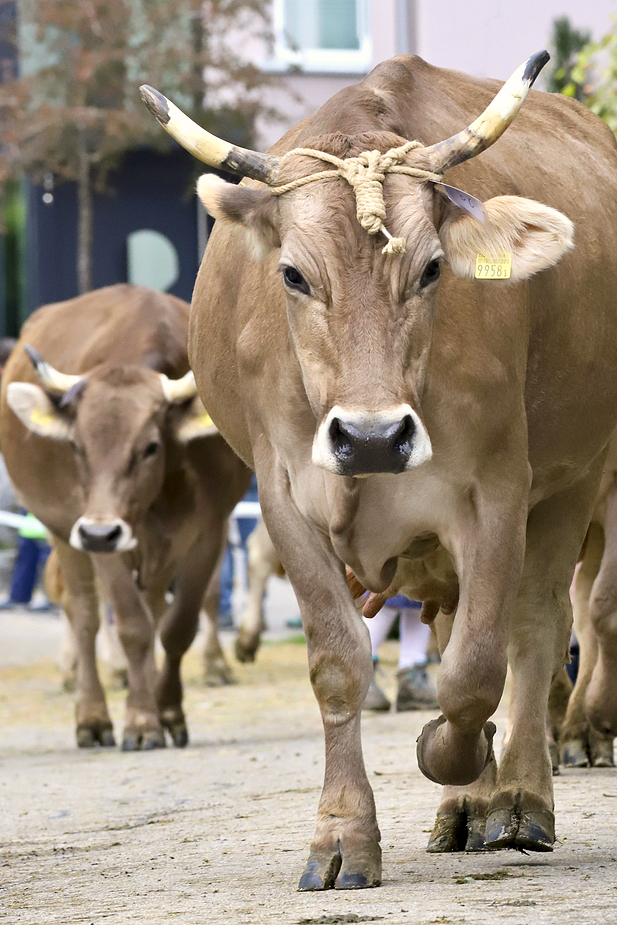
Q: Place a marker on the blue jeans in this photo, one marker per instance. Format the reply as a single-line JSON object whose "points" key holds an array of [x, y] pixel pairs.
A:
{"points": [[29, 562]]}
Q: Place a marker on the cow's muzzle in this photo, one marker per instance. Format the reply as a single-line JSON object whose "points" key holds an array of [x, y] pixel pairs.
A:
{"points": [[358, 443], [102, 536]]}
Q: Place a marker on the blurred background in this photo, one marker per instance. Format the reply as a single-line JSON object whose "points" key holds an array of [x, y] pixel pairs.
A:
{"points": [[93, 193]]}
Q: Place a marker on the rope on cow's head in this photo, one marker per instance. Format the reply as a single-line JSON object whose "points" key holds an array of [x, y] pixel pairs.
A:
{"points": [[365, 174]]}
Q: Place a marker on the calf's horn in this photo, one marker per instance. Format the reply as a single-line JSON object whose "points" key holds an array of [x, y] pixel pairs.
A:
{"points": [[51, 378], [493, 122], [208, 148], [179, 389]]}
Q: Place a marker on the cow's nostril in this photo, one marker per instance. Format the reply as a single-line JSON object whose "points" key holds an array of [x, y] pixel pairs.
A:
{"points": [[100, 537], [342, 441], [404, 437]]}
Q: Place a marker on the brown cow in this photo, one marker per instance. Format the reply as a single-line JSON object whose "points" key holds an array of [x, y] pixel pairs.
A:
{"points": [[116, 456], [386, 410]]}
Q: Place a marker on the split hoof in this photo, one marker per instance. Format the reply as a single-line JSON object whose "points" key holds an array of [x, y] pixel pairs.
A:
{"points": [[174, 723], [335, 870], [91, 735], [601, 750], [218, 676], [517, 827], [135, 740], [245, 650], [574, 754], [459, 828]]}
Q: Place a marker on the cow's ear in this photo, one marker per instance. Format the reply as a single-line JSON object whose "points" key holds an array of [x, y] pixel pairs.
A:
{"points": [[194, 422], [37, 412], [254, 209], [536, 236]]}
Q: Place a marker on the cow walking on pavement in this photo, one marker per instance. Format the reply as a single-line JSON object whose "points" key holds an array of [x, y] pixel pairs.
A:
{"points": [[108, 445], [426, 388]]}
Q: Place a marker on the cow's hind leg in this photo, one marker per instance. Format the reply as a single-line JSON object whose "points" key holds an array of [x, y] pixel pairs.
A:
{"points": [[82, 607], [217, 672], [263, 562], [575, 739], [601, 696], [520, 814], [345, 851], [179, 626]]}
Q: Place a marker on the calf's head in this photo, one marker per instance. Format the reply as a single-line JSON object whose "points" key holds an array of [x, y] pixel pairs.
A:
{"points": [[125, 427], [360, 314]]}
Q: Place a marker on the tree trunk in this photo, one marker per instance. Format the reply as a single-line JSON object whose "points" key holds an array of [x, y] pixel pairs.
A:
{"points": [[84, 220]]}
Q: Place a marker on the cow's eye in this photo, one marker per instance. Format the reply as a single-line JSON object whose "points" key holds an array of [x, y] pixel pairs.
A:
{"points": [[294, 280], [151, 449], [431, 273]]}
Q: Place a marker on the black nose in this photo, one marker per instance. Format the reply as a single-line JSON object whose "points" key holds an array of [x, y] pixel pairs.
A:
{"points": [[361, 447], [100, 537]]}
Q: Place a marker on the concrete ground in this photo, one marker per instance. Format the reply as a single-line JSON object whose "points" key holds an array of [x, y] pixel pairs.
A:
{"points": [[219, 832]]}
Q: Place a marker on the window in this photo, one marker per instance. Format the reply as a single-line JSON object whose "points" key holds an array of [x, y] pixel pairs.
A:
{"points": [[323, 35]]}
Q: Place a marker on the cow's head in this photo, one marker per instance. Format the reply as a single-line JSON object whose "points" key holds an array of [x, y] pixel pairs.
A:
{"points": [[125, 427], [360, 314]]}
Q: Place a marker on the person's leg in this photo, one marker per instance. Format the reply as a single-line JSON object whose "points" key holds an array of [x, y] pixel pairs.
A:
{"points": [[227, 587], [378, 626], [415, 690], [24, 571]]}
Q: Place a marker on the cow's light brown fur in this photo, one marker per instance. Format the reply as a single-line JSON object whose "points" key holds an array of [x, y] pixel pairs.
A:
{"points": [[514, 383]]}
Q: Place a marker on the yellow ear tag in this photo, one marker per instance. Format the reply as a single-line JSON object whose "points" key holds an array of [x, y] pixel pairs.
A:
{"points": [[41, 418], [498, 266]]}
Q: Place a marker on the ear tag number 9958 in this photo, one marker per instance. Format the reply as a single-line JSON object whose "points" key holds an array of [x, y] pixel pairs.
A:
{"points": [[497, 266]]}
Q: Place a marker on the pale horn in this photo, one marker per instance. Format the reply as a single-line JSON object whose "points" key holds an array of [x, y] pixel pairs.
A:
{"points": [[493, 122], [206, 147], [176, 390], [51, 378]]}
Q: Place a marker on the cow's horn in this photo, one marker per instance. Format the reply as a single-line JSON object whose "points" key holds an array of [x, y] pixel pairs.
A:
{"points": [[493, 122], [179, 389], [52, 379], [208, 148]]}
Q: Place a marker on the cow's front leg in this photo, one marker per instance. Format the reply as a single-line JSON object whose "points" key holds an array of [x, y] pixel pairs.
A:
{"points": [[520, 814], [142, 728], [180, 622], [345, 852], [82, 608], [489, 543]]}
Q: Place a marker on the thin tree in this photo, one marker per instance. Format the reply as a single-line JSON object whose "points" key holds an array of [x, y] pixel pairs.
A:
{"points": [[75, 110]]}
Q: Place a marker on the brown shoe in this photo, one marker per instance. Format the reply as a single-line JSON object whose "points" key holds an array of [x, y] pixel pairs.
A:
{"points": [[375, 698], [415, 690]]}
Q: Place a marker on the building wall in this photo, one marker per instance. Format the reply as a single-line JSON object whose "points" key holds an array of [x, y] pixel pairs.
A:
{"points": [[488, 38]]}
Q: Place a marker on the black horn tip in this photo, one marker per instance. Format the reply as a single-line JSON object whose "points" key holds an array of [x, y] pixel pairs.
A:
{"points": [[33, 355], [156, 103], [534, 66]]}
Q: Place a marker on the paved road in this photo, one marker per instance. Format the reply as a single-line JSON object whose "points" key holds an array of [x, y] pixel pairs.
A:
{"points": [[218, 833]]}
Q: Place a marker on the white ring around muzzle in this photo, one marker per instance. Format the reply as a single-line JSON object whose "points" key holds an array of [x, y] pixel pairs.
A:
{"points": [[323, 454], [125, 541]]}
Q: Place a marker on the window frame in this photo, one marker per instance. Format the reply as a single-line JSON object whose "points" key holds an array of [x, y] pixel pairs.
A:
{"points": [[321, 60]]}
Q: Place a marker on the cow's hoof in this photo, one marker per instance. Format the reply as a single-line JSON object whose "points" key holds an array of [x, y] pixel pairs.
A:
{"points": [[135, 740], [245, 649], [516, 826], [92, 734], [447, 757], [574, 754], [459, 827], [218, 675], [601, 753], [174, 723], [325, 871]]}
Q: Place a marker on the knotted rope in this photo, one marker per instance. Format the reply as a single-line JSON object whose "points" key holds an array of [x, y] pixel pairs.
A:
{"points": [[365, 174]]}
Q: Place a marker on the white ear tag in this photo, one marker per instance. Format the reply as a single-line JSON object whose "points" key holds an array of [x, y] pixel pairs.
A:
{"points": [[465, 201]]}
